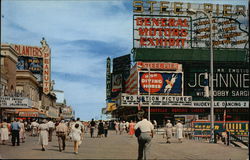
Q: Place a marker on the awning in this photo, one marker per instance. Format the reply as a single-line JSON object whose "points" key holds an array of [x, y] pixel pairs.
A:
{"points": [[30, 113]]}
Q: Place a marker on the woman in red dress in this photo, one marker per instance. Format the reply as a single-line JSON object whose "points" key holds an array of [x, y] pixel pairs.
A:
{"points": [[131, 128]]}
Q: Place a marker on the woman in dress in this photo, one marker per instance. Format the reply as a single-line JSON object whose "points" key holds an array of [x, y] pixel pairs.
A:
{"points": [[169, 130], [43, 134], [179, 131], [4, 131], [131, 128], [22, 131], [117, 127], [76, 137]]}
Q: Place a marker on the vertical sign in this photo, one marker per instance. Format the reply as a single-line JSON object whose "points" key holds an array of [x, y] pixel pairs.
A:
{"points": [[46, 66], [108, 79]]}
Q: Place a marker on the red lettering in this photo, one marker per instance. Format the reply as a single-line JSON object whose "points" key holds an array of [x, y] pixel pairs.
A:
{"points": [[139, 21], [171, 22], [46, 54], [151, 42], [163, 22], [46, 72], [183, 33], [142, 41], [46, 66], [143, 31], [46, 61], [171, 42], [152, 32], [147, 22], [155, 21]]}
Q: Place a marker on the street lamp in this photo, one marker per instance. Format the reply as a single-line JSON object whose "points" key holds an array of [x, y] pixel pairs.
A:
{"points": [[149, 94], [209, 16], [149, 88]]}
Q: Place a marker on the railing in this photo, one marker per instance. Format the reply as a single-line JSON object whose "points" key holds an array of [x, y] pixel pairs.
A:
{"points": [[233, 138]]}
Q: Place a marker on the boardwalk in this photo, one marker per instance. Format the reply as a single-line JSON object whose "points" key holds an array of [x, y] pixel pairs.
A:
{"points": [[123, 147]]}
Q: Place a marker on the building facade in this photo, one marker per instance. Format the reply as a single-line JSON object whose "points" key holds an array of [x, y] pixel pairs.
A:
{"points": [[171, 64]]}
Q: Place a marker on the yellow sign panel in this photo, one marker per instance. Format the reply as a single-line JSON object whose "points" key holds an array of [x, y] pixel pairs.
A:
{"points": [[111, 107]]}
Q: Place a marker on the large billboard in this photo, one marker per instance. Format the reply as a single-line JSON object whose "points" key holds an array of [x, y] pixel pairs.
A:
{"points": [[231, 81], [37, 60], [164, 24], [163, 83], [33, 64]]}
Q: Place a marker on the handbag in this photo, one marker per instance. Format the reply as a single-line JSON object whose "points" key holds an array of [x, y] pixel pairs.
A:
{"points": [[138, 132]]}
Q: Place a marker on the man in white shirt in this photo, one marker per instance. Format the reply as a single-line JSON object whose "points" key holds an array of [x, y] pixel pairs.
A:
{"points": [[51, 126], [144, 140]]}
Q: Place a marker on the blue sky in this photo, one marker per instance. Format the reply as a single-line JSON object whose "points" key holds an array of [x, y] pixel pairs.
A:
{"points": [[81, 35]]}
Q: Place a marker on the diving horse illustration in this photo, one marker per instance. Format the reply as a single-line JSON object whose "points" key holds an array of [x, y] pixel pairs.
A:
{"points": [[170, 83]]}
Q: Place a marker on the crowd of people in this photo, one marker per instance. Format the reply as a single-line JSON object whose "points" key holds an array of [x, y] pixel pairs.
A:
{"points": [[74, 131]]}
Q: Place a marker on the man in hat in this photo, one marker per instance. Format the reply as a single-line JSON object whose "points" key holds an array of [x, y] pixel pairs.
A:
{"points": [[61, 132]]}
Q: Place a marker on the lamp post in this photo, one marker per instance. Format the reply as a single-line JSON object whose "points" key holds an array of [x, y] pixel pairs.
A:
{"points": [[149, 88], [149, 94], [209, 16]]}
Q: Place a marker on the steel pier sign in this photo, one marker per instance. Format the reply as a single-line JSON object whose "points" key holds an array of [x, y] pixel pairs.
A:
{"points": [[164, 24]]}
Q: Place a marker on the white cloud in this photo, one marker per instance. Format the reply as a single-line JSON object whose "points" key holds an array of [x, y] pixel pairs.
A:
{"points": [[70, 20]]}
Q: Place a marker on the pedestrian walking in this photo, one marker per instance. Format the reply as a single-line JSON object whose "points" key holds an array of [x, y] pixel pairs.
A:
{"points": [[155, 124], [4, 131], [15, 128], [51, 126], [116, 127], [43, 134], [131, 128], [106, 127], [127, 126], [22, 131], [122, 127], [92, 126], [61, 132], [34, 128], [179, 131], [169, 130], [76, 137], [81, 128], [144, 140], [100, 129]]}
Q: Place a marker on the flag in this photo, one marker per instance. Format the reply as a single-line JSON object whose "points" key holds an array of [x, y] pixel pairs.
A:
{"points": [[139, 103]]}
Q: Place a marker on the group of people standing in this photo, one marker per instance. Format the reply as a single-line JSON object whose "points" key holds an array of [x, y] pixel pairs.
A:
{"points": [[16, 129], [169, 131], [125, 127], [101, 126]]}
